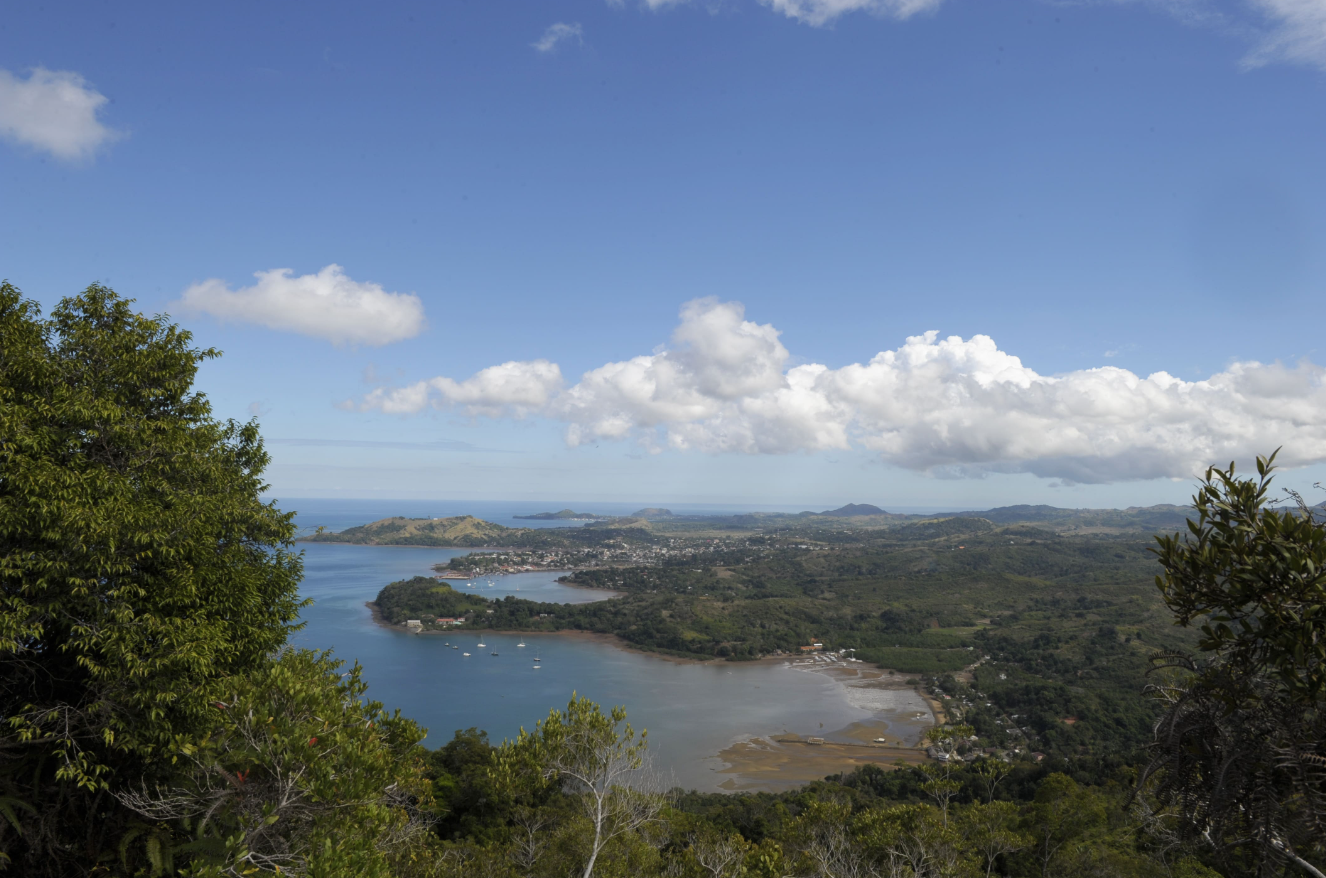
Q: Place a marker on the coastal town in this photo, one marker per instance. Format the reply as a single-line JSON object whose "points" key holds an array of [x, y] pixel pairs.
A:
{"points": [[609, 553]]}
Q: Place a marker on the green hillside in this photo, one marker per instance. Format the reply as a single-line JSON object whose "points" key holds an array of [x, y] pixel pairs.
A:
{"points": [[462, 530]]}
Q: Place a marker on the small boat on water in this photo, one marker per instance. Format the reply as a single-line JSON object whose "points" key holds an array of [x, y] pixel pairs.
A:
{"points": [[536, 667], [520, 644], [455, 647], [494, 653], [481, 646], [465, 653]]}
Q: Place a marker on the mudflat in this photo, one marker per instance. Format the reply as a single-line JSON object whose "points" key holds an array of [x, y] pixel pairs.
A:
{"points": [[782, 762]]}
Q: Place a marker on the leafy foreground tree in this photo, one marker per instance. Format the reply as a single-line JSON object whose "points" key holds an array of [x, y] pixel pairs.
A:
{"points": [[150, 719], [597, 763], [1239, 757]]}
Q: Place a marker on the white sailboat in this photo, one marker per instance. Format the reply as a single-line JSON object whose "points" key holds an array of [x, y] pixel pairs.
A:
{"points": [[522, 643], [465, 653]]}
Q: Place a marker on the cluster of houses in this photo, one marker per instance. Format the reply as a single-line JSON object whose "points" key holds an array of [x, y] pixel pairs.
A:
{"points": [[417, 625], [612, 553]]}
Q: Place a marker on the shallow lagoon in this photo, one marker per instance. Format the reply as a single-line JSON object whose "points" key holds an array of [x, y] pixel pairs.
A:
{"points": [[692, 711]]}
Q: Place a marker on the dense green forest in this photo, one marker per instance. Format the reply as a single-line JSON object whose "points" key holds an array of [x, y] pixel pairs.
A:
{"points": [[424, 598], [158, 722]]}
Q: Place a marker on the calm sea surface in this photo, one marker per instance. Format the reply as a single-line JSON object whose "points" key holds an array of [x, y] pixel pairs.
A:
{"points": [[691, 711]]}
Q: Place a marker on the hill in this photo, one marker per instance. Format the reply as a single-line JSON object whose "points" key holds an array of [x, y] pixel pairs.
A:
{"points": [[462, 530], [652, 512], [1163, 517], [423, 598]]}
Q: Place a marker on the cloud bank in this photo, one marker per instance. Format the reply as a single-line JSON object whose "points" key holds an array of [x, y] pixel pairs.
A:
{"points": [[949, 406], [325, 305], [54, 111]]}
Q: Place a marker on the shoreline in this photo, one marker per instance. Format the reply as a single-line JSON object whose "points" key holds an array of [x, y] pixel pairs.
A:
{"points": [[417, 546], [573, 634], [937, 714], [776, 760]]}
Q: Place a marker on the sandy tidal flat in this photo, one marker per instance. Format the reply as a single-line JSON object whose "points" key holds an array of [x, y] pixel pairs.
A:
{"points": [[776, 762]]}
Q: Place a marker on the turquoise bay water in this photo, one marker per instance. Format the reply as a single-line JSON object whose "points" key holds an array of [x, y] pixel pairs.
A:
{"points": [[692, 711]]}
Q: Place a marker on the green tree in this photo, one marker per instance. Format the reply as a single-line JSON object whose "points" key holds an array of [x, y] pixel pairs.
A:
{"points": [[151, 721], [598, 760], [1238, 754], [942, 784], [302, 775], [991, 830], [1061, 817], [139, 570]]}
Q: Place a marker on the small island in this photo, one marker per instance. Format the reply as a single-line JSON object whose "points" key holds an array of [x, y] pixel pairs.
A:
{"points": [[564, 515], [458, 531], [854, 510]]}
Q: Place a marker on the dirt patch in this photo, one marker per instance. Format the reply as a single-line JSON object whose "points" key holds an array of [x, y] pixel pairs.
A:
{"points": [[782, 762]]}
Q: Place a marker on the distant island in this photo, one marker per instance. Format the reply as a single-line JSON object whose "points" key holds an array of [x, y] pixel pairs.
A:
{"points": [[652, 512], [564, 515], [460, 531], [852, 510]]}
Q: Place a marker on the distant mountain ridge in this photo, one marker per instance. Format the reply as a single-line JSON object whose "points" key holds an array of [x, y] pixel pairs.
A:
{"points": [[1163, 516], [654, 524]]}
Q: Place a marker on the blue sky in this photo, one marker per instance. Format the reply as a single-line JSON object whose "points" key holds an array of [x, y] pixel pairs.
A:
{"points": [[1128, 186]]}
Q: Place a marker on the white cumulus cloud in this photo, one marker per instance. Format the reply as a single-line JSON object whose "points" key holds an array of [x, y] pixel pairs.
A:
{"points": [[325, 305], [515, 388], [949, 406], [55, 111], [556, 34]]}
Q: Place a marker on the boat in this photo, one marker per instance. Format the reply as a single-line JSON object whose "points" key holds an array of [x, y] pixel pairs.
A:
{"points": [[494, 653], [520, 644], [537, 659], [481, 646], [464, 653], [455, 647], [881, 741], [536, 667]]}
